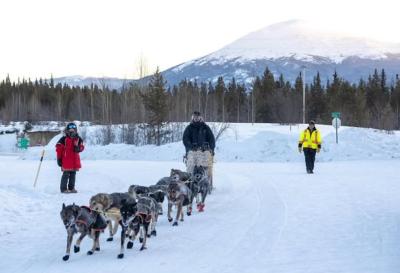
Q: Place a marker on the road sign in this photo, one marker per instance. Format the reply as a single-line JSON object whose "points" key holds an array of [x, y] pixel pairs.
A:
{"points": [[336, 123], [23, 143], [335, 114]]}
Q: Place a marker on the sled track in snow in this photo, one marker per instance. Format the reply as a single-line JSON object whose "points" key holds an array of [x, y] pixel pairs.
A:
{"points": [[260, 217], [236, 218]]}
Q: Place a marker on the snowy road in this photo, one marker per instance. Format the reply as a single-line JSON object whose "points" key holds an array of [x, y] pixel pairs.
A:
{"points": [[263, 217]]}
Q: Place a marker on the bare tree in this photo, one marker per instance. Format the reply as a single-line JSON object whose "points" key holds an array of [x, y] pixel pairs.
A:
{"points": [[142, 67], [219, 129]]}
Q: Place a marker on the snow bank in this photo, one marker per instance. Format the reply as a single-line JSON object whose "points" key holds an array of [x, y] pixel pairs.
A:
{"points": [[255, 143], [8, 143]]}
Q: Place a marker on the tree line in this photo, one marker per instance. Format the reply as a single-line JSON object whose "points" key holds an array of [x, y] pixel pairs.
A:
{"points": [[372, 102]]}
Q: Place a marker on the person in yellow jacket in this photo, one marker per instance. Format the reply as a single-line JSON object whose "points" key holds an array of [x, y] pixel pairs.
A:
{"points": [[310, 142]]}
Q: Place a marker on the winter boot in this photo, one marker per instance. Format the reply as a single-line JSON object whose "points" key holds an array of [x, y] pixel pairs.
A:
{"points": [[201, 208]]}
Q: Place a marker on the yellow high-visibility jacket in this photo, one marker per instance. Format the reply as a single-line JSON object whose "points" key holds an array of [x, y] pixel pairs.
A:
{"points": [[310, 139]]}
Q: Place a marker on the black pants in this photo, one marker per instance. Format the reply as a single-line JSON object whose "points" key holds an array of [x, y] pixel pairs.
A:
{"points": [[309, 155], [68, 180]]}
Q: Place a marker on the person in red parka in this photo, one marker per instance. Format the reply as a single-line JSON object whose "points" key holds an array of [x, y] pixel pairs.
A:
{"points": [[68, 149]]}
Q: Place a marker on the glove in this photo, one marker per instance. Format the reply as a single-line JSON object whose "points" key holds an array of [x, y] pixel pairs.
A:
{"points": [[299, 149], [59, 162], [194, 147], [77, 149], [205, 147]]}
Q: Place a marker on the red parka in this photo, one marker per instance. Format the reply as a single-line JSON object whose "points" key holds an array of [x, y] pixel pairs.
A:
{"points": [[68, 154]]}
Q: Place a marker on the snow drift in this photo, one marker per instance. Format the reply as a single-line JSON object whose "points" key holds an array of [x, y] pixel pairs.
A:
{"points": [[246, 143]]}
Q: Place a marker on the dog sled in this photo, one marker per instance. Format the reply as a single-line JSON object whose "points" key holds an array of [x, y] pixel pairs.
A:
{"points": [[201, 156]]}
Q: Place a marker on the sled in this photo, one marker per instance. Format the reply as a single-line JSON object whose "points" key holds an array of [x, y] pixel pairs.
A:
{"points": [[201, 158]]}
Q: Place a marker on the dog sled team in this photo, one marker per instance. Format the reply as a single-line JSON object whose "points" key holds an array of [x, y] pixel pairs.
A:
{"points": [[137, 210]]}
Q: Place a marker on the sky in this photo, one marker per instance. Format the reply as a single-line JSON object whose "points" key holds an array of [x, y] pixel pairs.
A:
{"points": [[108, 38]]}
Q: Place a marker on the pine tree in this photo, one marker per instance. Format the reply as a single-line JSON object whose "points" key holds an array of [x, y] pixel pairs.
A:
{"points": [[316, 108], [220, 91], [377, 97], [263, 92], [230, 100], [395, 101], [155, 103]]}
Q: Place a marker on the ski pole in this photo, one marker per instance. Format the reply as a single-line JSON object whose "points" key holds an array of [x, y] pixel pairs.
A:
{"points": [[37, 173]]}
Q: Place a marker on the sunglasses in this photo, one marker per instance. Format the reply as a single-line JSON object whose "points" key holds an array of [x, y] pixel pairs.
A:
{"points": [[71, 127]]}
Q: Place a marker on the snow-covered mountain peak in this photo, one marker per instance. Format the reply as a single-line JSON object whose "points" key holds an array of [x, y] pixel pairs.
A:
{"points": [[284, 48], [302, 40]]}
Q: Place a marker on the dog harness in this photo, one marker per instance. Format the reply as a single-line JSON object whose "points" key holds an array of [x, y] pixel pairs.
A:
{"points": [[95, 225], [144, 217]]}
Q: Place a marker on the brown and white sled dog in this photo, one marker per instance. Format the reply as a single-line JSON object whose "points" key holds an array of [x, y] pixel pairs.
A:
{"points": [[85, 221], [178, 194], [138, 218], [179, 176], [109, 204]]}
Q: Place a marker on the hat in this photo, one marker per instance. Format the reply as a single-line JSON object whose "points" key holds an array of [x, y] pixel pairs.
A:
{"points": [[312, 122], [71, 125], [196, 117]]}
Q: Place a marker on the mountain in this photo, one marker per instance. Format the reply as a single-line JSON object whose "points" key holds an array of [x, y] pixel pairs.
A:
{"points": [[112, 83], [287, 47], [284, 48]]}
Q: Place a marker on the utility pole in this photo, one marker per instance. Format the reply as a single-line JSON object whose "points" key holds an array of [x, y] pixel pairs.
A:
{"points": [[252, 98], [252, 107], [304, 94]]}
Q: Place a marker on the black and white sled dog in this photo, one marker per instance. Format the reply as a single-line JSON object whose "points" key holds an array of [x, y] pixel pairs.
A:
{"points": [[201, 180], [138, 218], [135, 191], [187, 179], [109, 205], [157, 192], [179, 195], [164, 182], [85, 221]]}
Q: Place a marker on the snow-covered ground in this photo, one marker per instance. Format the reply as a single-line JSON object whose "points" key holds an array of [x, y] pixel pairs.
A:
{"points": [[266, 214]]}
